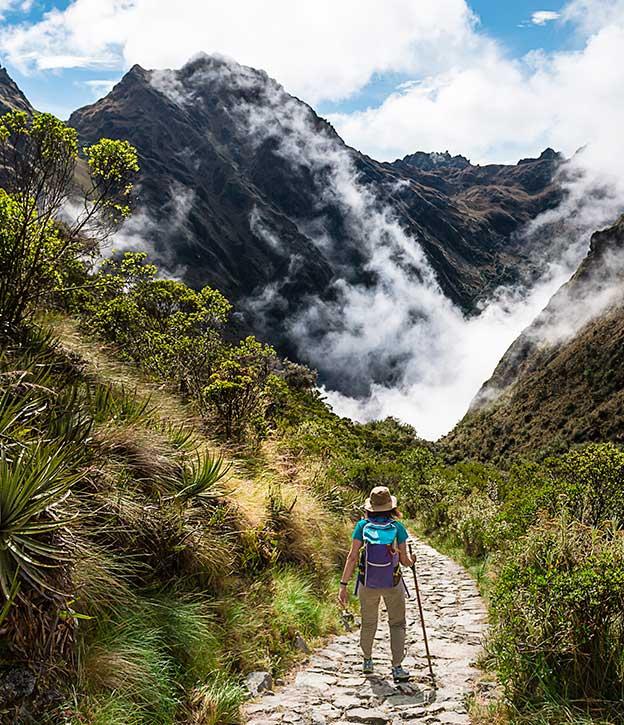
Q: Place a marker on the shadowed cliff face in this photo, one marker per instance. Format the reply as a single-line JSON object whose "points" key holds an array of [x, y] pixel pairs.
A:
{"points": [[11, 97], [370, 272], [562, 381], [251, 166]]}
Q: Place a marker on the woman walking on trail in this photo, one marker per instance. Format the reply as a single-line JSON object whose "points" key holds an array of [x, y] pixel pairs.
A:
{"points": [[378, 548]]}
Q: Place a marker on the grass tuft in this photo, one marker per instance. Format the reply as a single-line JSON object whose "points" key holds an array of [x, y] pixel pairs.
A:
{"points": [[216, 702]]}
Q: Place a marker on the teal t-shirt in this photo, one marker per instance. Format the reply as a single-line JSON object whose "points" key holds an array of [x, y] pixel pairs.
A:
{"points": [[402, 534]]}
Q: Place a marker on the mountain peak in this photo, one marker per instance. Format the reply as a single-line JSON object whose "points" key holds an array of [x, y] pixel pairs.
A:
{"points": [[138, 71], [548, 154], [11, 97], [427, 161]]}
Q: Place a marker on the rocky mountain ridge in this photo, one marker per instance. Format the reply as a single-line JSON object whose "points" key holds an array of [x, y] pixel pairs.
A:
{"points": [[236, 198], [246, 188], [11, 97]]}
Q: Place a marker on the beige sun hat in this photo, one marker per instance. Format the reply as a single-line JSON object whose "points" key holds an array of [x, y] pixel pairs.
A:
{"points": [[380, 499]]}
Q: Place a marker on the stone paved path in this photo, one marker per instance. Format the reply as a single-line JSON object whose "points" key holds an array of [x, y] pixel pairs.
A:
{"points": [[331, 691]]}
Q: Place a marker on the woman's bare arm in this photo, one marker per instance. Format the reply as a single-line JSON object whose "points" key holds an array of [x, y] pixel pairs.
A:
{"points": [[349, 568], [404, 556], [352, 560]]}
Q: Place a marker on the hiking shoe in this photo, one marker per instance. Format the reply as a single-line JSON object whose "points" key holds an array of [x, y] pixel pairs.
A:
{"points": [[367, 667], [399, 674]]}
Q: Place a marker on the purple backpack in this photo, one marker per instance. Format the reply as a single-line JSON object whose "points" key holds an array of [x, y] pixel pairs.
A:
{"points": [[379, 560]]}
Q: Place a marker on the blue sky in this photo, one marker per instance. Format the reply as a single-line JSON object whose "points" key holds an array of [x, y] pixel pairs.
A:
{"points": [[494, 80], [508, 21], [62, 90]]}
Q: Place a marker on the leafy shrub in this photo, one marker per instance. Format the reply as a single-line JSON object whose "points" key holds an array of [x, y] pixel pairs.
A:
{"points": [[558, 615], [175, 333], [200, 479], [477, 526], [168, 328], [242, 388], [588, 483]]}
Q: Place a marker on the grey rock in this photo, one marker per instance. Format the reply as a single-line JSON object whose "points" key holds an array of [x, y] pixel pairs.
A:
{"points": [[16, 684], [344, 702], [258, 682], [370, 717], [314, 680], [317, 718]]}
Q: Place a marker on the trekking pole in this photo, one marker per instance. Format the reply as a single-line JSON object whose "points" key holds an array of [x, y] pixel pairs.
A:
{"points": [[422, 616]]}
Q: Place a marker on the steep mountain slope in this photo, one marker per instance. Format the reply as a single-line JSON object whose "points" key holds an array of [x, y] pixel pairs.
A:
{"points": [[11, 97], [244, 187], [562, 381]]}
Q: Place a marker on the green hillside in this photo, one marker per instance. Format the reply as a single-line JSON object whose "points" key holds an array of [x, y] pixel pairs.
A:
{"points": [[551, 391]]}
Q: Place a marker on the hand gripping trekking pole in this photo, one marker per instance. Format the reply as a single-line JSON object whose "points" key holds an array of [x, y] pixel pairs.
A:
{"points": [[422, 617]]}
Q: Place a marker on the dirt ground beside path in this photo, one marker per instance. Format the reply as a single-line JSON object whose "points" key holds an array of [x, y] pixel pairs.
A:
{"points": [[330, 690]]}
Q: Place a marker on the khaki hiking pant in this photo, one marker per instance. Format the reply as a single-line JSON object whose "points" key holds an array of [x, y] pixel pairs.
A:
{"points": [[394, 599]]}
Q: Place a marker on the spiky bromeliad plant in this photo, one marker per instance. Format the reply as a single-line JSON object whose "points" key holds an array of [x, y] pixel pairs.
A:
{"points": [[202, 478], [32, 486]]}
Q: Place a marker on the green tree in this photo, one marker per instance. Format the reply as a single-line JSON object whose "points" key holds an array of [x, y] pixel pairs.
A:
{"points": [[168, 328], [243, 388], [55, 209]]}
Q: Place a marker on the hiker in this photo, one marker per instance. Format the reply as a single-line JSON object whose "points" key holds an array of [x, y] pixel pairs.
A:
{"points": [[378, 548]]}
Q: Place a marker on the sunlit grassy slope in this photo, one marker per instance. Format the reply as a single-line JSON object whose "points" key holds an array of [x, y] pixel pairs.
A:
{"points": [[189, 565]]}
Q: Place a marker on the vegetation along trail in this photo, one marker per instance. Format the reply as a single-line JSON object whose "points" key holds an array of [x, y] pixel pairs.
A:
{"points": [[330, 689]]}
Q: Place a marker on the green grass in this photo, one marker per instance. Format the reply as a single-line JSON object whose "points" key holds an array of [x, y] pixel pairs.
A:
{"points": [[129, 657], [217, 702], [107, 709], [499, 713], [298, 609]]}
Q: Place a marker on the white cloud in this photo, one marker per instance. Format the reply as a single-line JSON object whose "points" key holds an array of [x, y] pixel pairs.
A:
{"points": [[541, 17], [498, 109], [467, 96], [6, 6], [99, 87], [138, 231], [88, 33], [590, 16], [320, 50], [402, 325]]}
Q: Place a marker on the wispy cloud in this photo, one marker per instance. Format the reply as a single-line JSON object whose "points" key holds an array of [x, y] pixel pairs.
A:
{"points": [[497, 109], [99, 86], [541, 17], [324, 50]]}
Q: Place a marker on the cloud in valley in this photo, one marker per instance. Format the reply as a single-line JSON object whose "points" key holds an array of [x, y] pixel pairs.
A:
{"points": [[403, 327], [465, 94]]}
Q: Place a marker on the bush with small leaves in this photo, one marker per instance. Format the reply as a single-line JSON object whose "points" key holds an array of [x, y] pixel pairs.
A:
{"points": [[242, 388], [38, 253], [558, 615]]}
